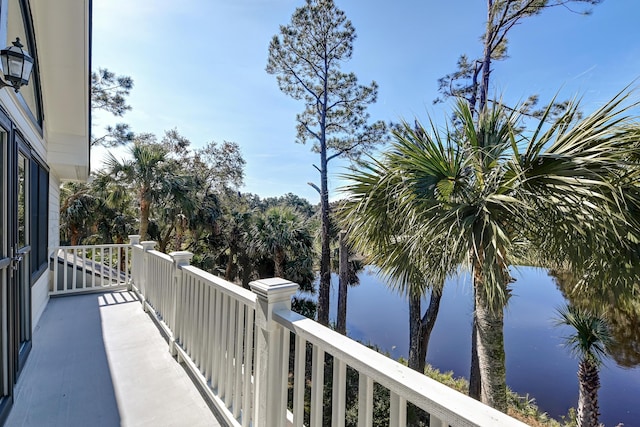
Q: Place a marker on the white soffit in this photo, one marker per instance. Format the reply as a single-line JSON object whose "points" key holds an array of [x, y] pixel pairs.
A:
{"points": [[62, 31]]}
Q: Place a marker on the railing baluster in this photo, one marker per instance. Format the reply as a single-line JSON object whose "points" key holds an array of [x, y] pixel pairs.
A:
{"points": [[398, 411], [231, 328], [55, 271], [299, 381], [187, 317], [206, 336], [127, 275], [338, 399], [365, 401], [247, 408], [118, 265], [65, 270], [102, 266], [110, 265], [74, 272], [197, 342], [177, 334], [237, 365], [211, 323], [317, 386], [202, 335], [217, 349], [436, 422], [84, 269], [222, 372], [93, 268]]}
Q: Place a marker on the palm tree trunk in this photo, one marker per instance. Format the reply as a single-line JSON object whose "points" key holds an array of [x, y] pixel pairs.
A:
{"points": [[428, 322], [229, 273], [589, 383], [489, 319], [415, 326], [145, 209], [475, 385], [75, 235], [420, 329], [278, 258]]}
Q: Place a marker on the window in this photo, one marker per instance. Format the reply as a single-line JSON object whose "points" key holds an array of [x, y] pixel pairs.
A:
{"points": [[19, 25], [3, 193], [39, 217]]}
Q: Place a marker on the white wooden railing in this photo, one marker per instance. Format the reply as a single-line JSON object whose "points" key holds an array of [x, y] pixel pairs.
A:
{"points": [[248, 353], [77, 269]]}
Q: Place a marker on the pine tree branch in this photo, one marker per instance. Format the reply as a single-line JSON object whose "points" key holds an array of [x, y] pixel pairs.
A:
{"points": [[315, 187]]}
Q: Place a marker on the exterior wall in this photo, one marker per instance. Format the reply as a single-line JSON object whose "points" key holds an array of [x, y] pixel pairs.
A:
{"points": [[40, 289], [54, 210]]}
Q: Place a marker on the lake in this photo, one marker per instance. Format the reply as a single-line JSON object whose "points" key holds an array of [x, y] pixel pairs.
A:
{"points": [[537, 362]]}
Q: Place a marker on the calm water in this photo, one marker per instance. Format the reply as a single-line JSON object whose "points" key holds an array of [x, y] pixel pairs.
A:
{"points": [[537, 363]]}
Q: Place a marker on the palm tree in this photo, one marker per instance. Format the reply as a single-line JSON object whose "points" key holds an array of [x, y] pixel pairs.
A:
{"points": [[78, 209], [281, 233], [589, 343], [484, 197], [152, 175]]}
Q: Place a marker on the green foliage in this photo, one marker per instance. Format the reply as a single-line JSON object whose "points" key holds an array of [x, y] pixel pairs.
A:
{"points": [[590, 337], [284, 236], [483, 197], [293, 201], [306, 57], [109, 93]]}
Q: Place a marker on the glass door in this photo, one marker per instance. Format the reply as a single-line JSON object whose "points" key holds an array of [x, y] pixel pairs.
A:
{"points": [[15, 274], [22, 277]]}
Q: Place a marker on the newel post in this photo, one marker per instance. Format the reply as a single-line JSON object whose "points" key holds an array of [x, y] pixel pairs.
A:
{"points": [[272, 352], [134, 239], [147, 246], [180, 259]]}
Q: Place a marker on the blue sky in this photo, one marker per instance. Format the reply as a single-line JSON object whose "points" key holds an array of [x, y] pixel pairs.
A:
{"points": [[199, 66]]}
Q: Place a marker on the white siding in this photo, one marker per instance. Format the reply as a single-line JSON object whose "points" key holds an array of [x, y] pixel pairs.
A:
{"points": [[40, 290]]}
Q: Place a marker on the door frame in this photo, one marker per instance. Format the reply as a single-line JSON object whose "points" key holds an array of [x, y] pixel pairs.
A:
{"points": [[15, 271], [6, 384]]}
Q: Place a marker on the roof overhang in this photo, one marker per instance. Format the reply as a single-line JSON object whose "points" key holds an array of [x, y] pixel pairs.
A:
{"points": [[63, 39]]}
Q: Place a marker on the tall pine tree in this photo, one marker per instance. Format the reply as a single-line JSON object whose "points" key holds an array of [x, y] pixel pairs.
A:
{"points": [[307, 56]]}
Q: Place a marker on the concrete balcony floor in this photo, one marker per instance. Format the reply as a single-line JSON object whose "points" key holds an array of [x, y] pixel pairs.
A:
{"points": [[99, 360]]}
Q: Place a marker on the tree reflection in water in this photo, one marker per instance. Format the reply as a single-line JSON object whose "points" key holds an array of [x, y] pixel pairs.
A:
{"points": [[622, 313]]}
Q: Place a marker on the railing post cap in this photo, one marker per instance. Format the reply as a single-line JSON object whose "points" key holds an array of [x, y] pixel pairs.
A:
{"points": [[181, 257], [274, 288], [134, 239], [148, 244]]}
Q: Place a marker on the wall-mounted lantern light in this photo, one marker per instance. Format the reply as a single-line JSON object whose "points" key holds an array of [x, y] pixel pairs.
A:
{"points": [[16, 65]]}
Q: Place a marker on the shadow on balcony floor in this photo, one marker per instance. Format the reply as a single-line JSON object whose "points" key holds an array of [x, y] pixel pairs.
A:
{"points": [[99, 360]]}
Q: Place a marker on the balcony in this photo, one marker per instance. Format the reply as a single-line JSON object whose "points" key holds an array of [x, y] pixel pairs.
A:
{"points": [[147, 339]]}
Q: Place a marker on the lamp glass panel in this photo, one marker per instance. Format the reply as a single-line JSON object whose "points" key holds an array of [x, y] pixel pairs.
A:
{"points": [[26, 70], [5, 63], [15, 67]]}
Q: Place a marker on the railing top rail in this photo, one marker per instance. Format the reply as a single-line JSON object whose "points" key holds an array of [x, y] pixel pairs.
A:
{"points": [[161, 255], [432, 396], [110, 245], [238, 292]]}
